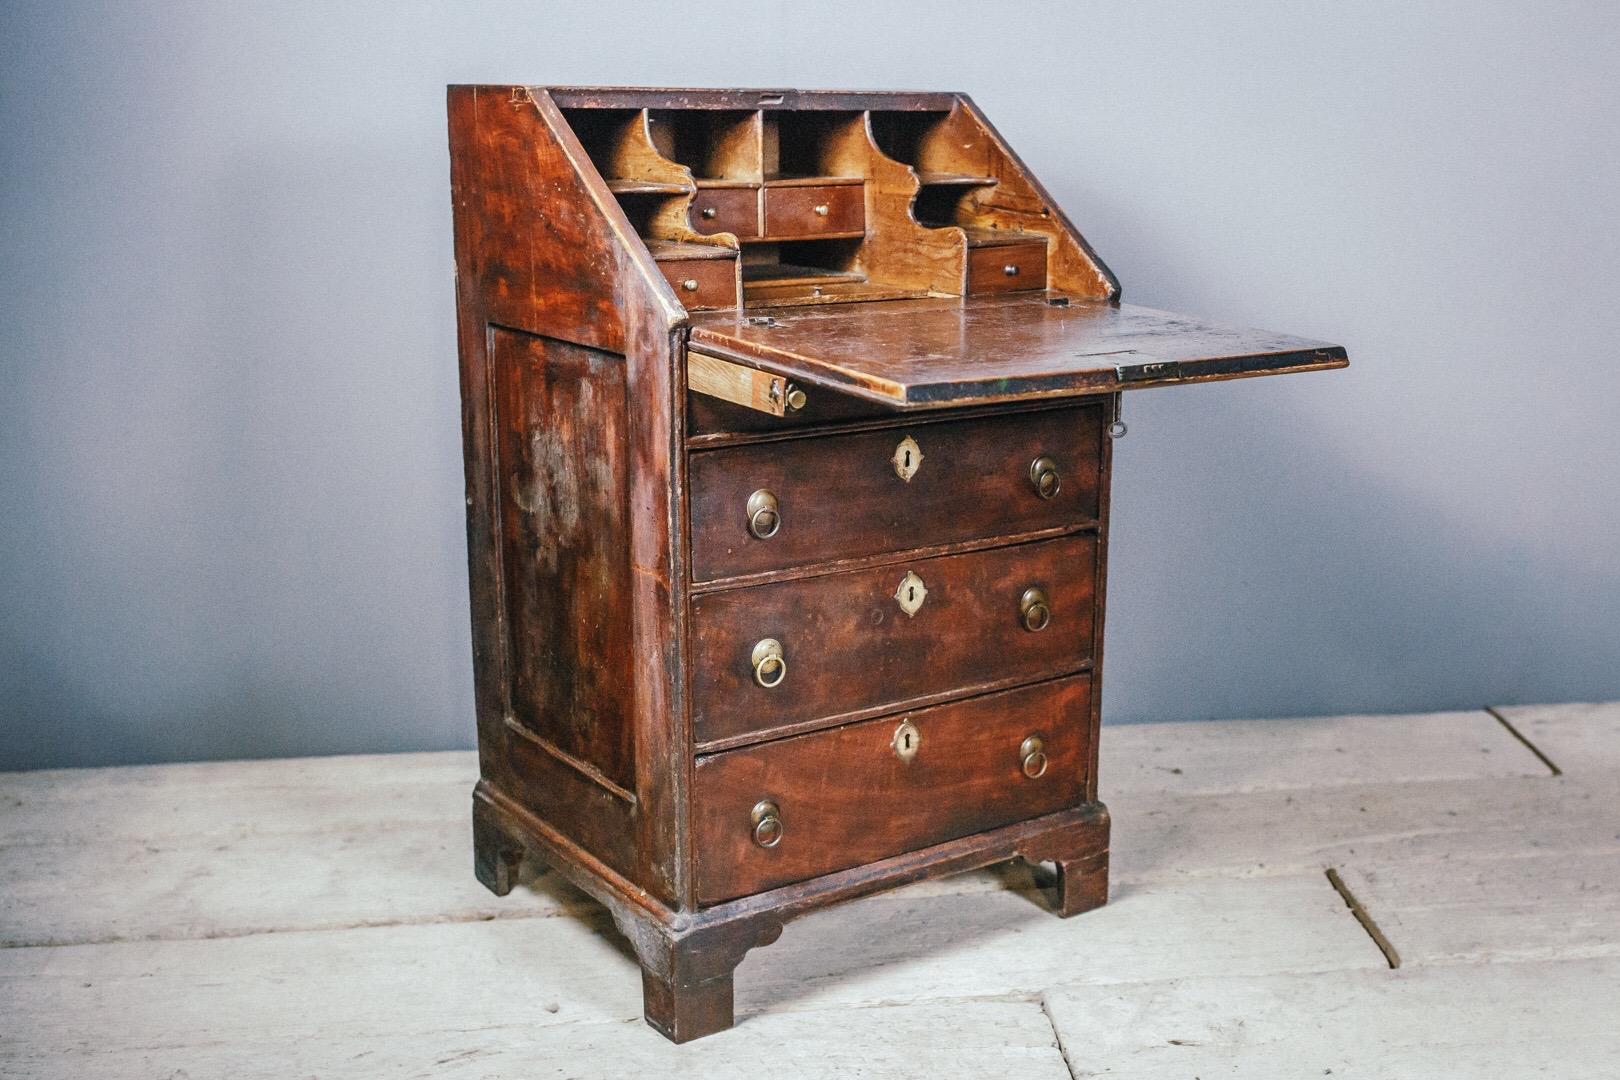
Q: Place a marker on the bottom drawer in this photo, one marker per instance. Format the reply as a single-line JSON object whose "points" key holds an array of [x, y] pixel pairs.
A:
{"points": [[769, 815]]}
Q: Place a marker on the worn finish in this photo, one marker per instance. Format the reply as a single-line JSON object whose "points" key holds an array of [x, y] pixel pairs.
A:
{"points": [[937, 352], [753, 635], [841, 497], [848, 796], [852, 649]]}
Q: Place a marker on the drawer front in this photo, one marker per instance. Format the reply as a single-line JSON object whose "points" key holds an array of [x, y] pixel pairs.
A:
{"points": [[847, 796], [732, 210], [811, 211], [850, 647], [842, 496], [1006, 268], [703, 283]]}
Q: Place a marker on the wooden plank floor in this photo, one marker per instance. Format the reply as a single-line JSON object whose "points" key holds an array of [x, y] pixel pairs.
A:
{"points": [[318, 918]]}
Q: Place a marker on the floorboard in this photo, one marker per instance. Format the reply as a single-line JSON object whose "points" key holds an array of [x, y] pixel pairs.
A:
{"points": [[1448, 1023], [318, 917]]}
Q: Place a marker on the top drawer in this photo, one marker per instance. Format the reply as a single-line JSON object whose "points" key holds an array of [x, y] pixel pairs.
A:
{"points": [[794, 502]]}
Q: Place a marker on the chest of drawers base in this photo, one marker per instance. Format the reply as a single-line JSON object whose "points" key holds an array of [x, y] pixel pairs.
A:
{"points": [[688, 959], [785, 418]]}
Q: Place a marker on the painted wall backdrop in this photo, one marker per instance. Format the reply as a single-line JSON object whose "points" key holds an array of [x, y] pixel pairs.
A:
{"points": [[230, 478]]}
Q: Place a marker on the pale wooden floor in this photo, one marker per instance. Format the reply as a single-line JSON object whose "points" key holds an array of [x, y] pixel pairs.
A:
{"points": [[319, 918]]}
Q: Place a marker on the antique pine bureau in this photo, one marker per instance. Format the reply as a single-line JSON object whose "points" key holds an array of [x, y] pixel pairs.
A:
{"points": [[787, 422]]}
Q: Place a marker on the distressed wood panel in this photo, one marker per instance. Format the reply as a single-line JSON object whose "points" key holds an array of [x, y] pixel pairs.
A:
{"points": [[1270, 755], [1454, 1023], [1515, 906], [988, 1038], [1580, 737]]}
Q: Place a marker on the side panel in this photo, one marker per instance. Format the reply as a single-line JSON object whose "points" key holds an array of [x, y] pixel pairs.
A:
{"points": [[566, 331], [560, 429]]}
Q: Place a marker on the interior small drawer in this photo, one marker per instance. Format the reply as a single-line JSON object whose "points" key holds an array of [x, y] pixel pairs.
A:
{"points": [[1006, 268], [732, 210], [775, 505], [867, 641], [796, 211], [703, 283], [769, 815]]}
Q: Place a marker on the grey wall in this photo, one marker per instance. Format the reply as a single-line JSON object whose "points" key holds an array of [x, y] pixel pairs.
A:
{"points": [[231, 487]]}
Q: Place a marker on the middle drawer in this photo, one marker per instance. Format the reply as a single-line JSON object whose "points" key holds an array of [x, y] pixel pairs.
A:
{"points": [[857, 643]]}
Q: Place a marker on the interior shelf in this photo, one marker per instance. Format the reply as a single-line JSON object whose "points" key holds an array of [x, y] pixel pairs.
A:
{"points": [[790, 273], [1001, 237], [946, 179], [631, 186], [670, 250]]}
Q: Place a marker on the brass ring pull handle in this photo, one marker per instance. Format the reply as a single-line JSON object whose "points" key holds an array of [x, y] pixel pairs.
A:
{"points": [[1034, 609], [1043, 473], [1033, 753], [764, 516], [770, 666], [767, 824]]}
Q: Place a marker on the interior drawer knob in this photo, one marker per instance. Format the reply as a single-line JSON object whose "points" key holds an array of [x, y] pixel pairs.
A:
{"points": [[822, 210], [1035, 610], [767, 824], [1033, 752], [1043, 473], [764, 517], [710, 213], [770, 666], [1011, 270]]}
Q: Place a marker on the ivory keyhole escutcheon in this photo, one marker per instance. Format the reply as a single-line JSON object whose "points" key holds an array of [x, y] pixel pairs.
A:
{"points": [[906, 740], [907, 459], [910, 593]]}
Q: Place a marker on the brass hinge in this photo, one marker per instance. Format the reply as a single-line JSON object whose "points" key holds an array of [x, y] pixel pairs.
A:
{"points": [[1158, 369]]}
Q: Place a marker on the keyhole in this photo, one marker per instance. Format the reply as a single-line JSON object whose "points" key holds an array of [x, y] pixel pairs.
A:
{"points": [[906, 740], [908, 459], [911, 594]]}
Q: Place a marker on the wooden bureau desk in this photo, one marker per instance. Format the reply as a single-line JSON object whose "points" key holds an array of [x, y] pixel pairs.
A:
{"points": [[787, 423]]}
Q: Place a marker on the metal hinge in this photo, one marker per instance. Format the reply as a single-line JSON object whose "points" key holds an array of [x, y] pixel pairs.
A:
{"points": [[1159, 369]]}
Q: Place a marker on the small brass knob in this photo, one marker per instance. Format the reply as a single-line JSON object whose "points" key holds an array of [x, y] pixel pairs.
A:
{"points": [[795, 398], [1043, 473], [1033, 752], [710, 213], [823, 210], [1034, 609], [770, 666], [1010, 270], [690, 284], [767, 818], [764, 517]]}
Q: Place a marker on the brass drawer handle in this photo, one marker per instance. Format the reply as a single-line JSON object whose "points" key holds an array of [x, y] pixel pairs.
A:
{"points": [[823, 210], [796, 398], [1010, 270], [690, 284], [770, 666], [1034, 609], [710, 213], [764, 516], [767, 824], [1033, 752], [1043, 473]]}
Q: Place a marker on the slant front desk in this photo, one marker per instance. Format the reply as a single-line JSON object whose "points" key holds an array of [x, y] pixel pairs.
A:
{"points": [[786, 419]]}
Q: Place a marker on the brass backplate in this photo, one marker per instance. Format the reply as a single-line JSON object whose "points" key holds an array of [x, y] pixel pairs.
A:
{"points": [[907, 740], [910, 593], [907, 459]]}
